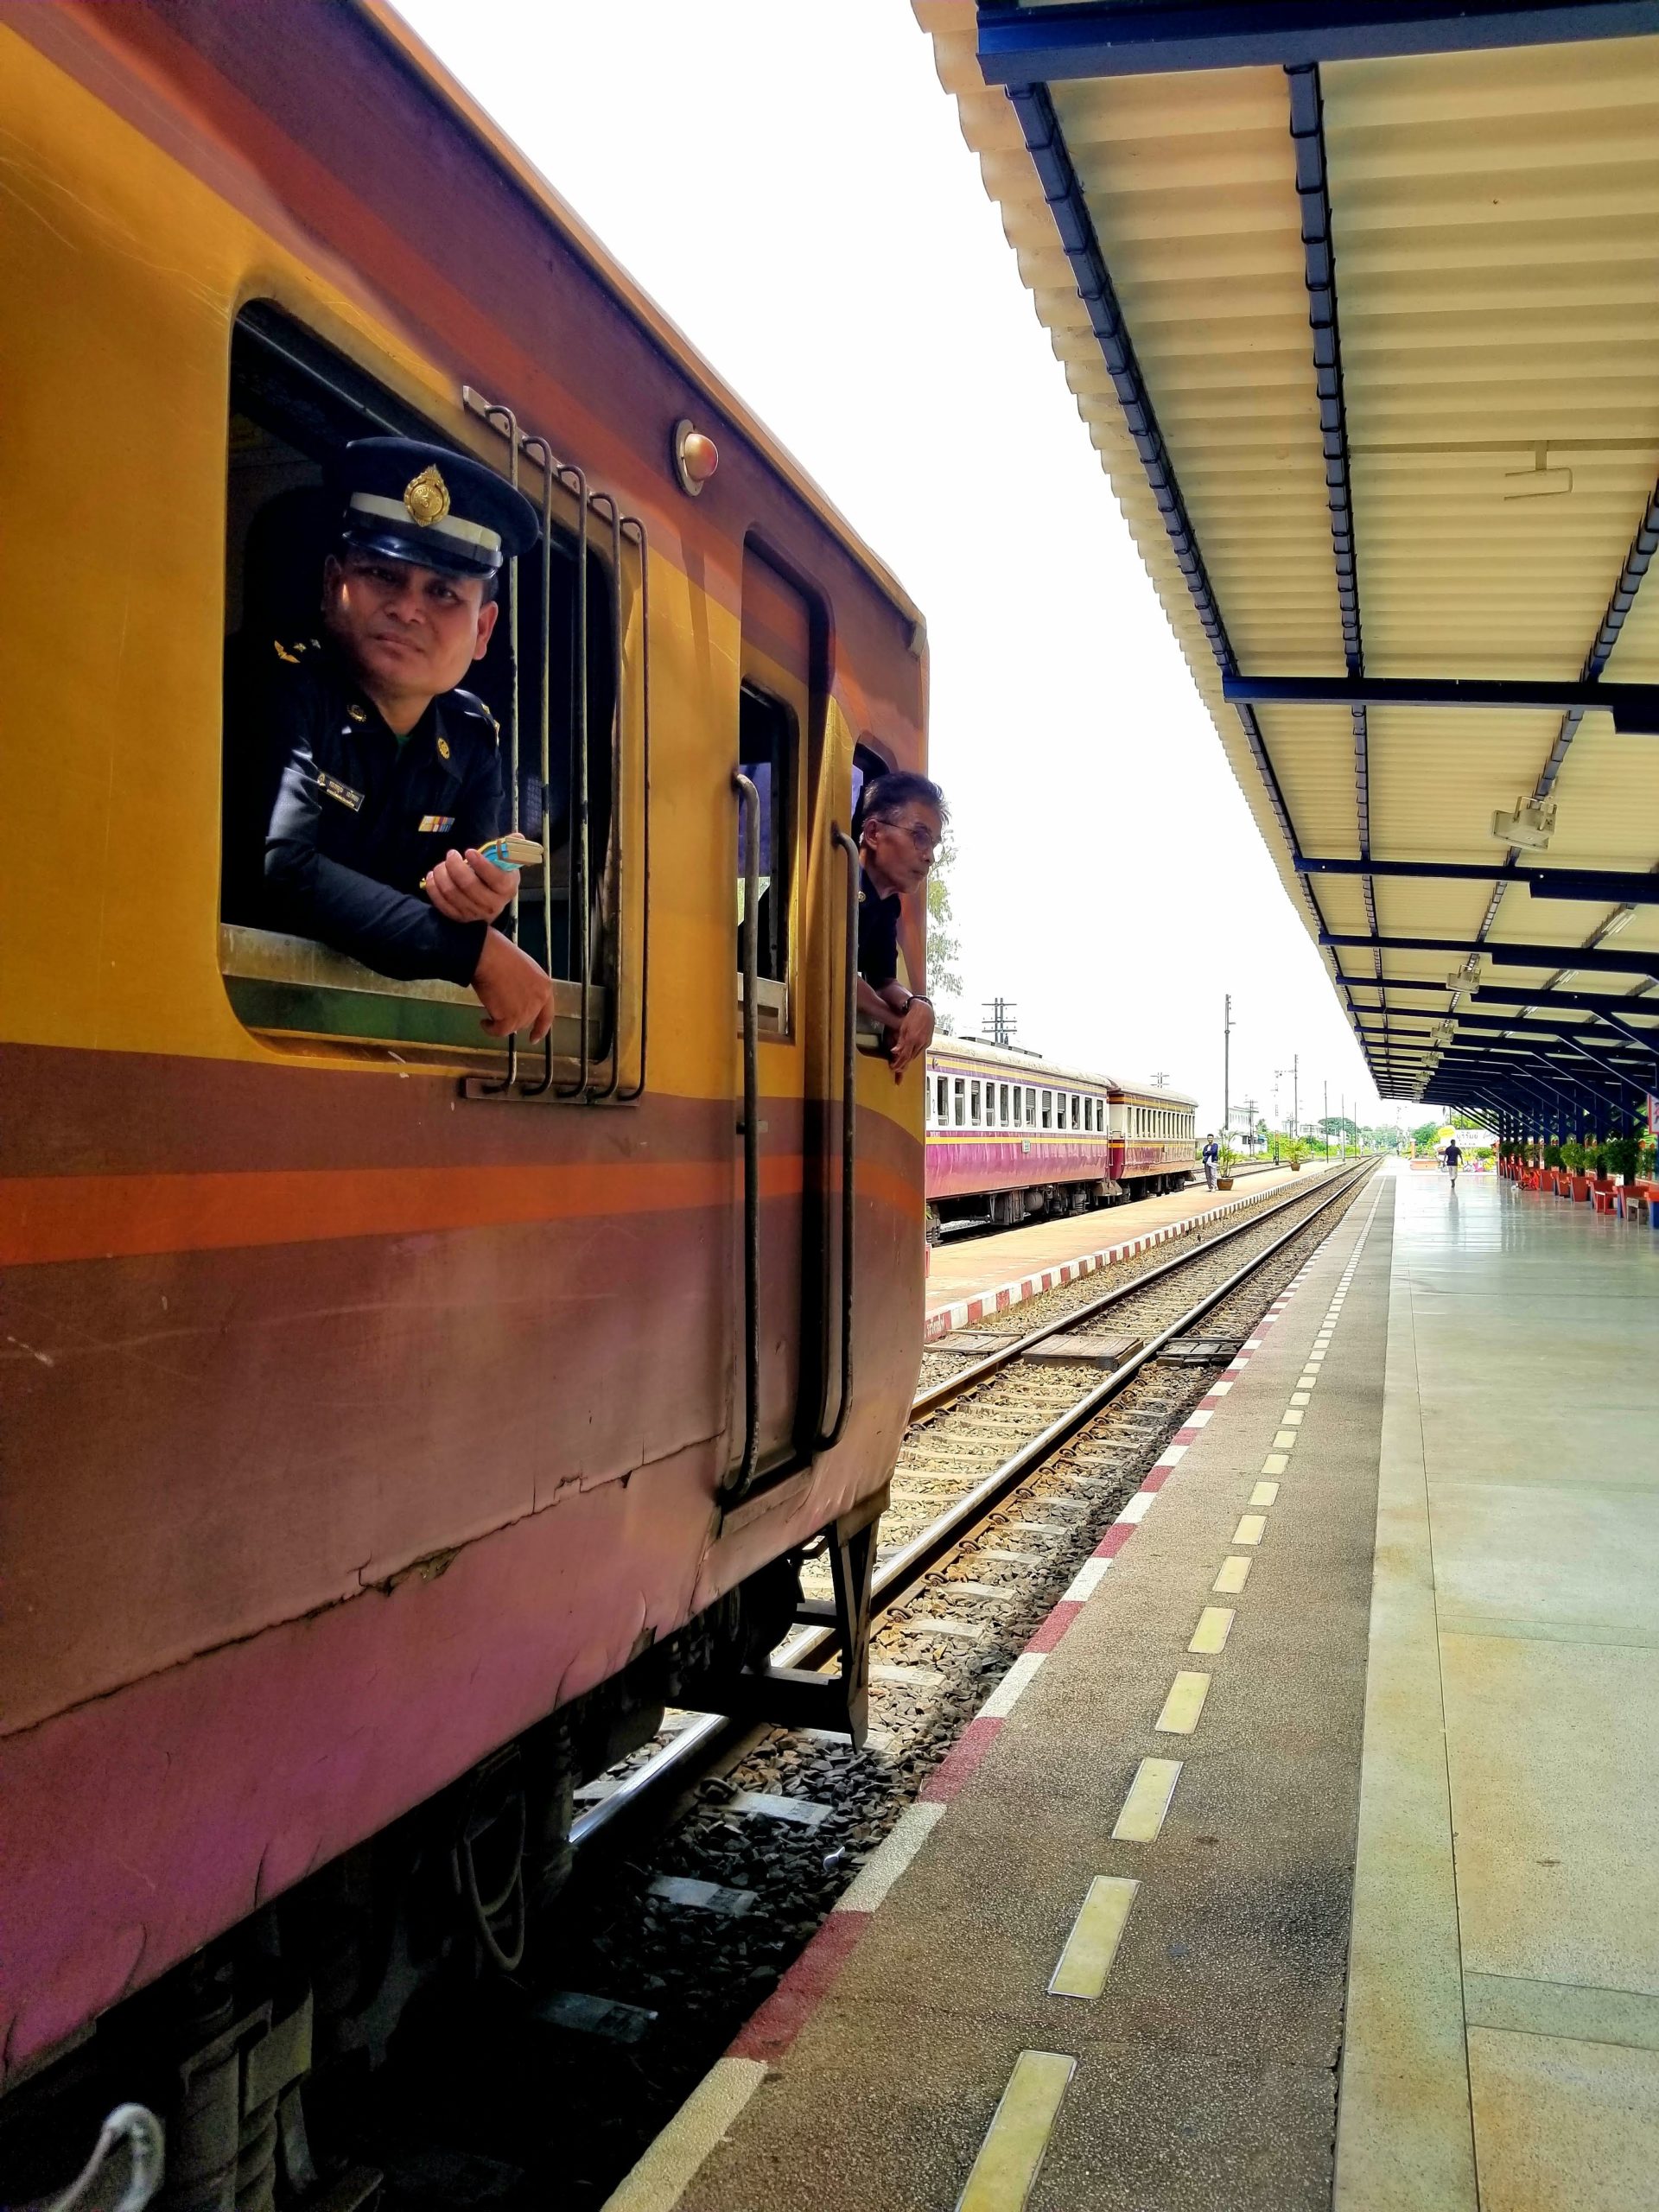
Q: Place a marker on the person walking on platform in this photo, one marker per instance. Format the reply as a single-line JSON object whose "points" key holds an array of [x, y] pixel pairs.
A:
{"points": [[1211, 1158], [1452, 1157]]}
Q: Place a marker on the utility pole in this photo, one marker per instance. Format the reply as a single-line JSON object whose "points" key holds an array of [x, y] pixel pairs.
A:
{"points": [[999, 1014], [1160, 1076], [1295, 1095], [1226, 1069], [1325, 1132]]}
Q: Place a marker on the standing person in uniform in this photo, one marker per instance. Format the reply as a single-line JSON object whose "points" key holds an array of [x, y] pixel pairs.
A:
{"points": [[898, 824], [1211, 1157], [367, 781]]}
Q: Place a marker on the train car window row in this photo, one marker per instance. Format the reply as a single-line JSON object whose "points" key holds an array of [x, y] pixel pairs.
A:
{"points": [[295, 403]]}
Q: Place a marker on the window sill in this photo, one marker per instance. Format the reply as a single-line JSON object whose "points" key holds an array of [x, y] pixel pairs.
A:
{"points": [[771, 1008], [297, 994]]}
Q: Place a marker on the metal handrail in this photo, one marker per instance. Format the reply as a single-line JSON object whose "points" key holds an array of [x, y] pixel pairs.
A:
{"points": [[572, 476], [631, 522], [608, 1090], [749, 959], [497, 414], [541, 447], [830, 1437]]}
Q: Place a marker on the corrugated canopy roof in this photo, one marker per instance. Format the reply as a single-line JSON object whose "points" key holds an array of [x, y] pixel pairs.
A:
{"points": [[1360, 305]]}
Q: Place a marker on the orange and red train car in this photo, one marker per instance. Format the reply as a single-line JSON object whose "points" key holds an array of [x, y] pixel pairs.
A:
{"points": [[391, 1424]]}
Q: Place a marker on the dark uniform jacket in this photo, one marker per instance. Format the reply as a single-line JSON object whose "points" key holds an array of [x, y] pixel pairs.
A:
{"points": [[331, 823], [878, 936]]}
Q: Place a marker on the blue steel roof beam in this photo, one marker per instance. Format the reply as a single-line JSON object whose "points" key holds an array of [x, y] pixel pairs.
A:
{"points": [[1319, 275], [1063, 191], [1123, 38]]}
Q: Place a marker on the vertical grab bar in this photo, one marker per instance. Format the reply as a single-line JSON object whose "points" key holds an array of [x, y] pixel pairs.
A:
{"points": [[749, 956], [497, 416], [632, 523], [619, 745], [573, 478], [541, 446], [831, 1436]]}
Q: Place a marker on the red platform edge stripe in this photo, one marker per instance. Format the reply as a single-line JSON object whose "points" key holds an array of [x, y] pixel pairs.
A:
{"points": [[768, 2032]]}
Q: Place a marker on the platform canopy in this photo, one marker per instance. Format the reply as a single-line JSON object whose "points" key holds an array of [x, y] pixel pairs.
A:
{"points": [[1360, 305]]}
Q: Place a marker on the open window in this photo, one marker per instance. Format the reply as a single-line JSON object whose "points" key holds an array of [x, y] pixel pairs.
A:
{"points": [[768, 740], [295, 403]]}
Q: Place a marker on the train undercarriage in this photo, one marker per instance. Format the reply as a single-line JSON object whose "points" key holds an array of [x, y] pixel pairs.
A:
{"points": [[255, 2053], [1041, 1202]]}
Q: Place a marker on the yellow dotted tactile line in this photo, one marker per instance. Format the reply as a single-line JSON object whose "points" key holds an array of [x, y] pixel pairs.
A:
{"points": [[1012, 2151]]}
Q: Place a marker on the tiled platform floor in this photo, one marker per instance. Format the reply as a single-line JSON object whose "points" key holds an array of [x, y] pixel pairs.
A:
{"points": [[1502, 2046], [1310, 1856]]}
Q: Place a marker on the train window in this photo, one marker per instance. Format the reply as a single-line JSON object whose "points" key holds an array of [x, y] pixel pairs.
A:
{"points": [[941, 1092], [1002, 1104], [1019, 1107], [1076, 1111], [959, 1102], [295, 403], [1031, 1107], [1048, 1109], [766, 741], [973, 1105]]}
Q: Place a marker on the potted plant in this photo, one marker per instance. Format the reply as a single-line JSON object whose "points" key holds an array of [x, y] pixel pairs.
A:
{"points": [[1619, 1156], [1595, 1166], [1226, 1160], [1574, 1183], [1295, 1153], [1554, 1161]]}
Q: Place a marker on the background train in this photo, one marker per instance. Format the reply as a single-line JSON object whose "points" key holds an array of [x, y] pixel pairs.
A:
{"points": [[1011, 1136], [392, 1421]]}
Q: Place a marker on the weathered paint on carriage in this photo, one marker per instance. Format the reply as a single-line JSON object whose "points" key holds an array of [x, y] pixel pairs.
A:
{"points": [[352, 1425]]}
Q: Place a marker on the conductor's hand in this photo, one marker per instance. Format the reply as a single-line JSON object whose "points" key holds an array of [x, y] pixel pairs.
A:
{"points": [[515, 993], [914, 1035], [468, 888]]}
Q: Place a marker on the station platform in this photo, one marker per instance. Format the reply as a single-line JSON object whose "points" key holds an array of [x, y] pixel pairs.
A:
{"points": [[1307, 1856], [970, 1276]]}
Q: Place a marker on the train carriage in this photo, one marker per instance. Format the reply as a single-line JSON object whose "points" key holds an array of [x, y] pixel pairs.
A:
{"points": [[1011, 1136], [394, 1420]]}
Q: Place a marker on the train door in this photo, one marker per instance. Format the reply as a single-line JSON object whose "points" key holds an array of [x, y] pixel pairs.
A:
{"points": [[773, 951]]}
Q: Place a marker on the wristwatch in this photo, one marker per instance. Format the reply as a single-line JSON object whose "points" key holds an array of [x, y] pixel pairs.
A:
{"points": [[918, 998]]}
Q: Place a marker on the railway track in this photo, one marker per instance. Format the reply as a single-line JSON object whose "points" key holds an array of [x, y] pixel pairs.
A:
{"points": [[724, 1848], [975, 1433]]}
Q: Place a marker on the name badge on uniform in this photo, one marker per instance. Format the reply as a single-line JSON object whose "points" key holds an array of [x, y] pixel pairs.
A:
{"points": [[432, 823], [343, 793]]}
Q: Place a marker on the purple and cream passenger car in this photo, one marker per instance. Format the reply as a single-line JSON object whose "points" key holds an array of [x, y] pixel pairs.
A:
{"points": [[1011, 1136]]}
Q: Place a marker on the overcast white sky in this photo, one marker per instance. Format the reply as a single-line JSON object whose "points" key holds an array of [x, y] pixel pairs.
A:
{"points": [[790, 183]]}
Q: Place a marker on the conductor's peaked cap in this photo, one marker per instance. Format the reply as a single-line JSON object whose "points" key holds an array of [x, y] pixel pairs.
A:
{"points": [[431, 504]]}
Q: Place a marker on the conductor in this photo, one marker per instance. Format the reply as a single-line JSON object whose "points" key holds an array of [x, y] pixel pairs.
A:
{"points": [[370, 781]]}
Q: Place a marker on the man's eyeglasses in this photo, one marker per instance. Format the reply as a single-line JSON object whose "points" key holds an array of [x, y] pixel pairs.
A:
{"points": [[925, 841]]}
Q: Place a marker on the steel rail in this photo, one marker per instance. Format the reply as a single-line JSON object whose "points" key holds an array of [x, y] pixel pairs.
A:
{"points": [[951, 1386], [892, 1580]]}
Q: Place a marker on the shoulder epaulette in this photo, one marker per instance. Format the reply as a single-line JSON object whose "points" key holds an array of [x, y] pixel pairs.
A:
{"points": [[470, 704]]}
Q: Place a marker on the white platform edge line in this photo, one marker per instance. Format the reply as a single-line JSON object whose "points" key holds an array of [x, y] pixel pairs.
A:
{"points": [[670, 2164], [876, 1878]]}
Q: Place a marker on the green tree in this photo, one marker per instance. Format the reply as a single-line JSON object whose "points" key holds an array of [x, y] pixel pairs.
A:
{"points": [[1425, 1134], [944, 946]]}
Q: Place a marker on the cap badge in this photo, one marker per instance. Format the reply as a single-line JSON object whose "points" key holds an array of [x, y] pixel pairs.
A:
{"points": [[427, 498], [443, 749]]}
